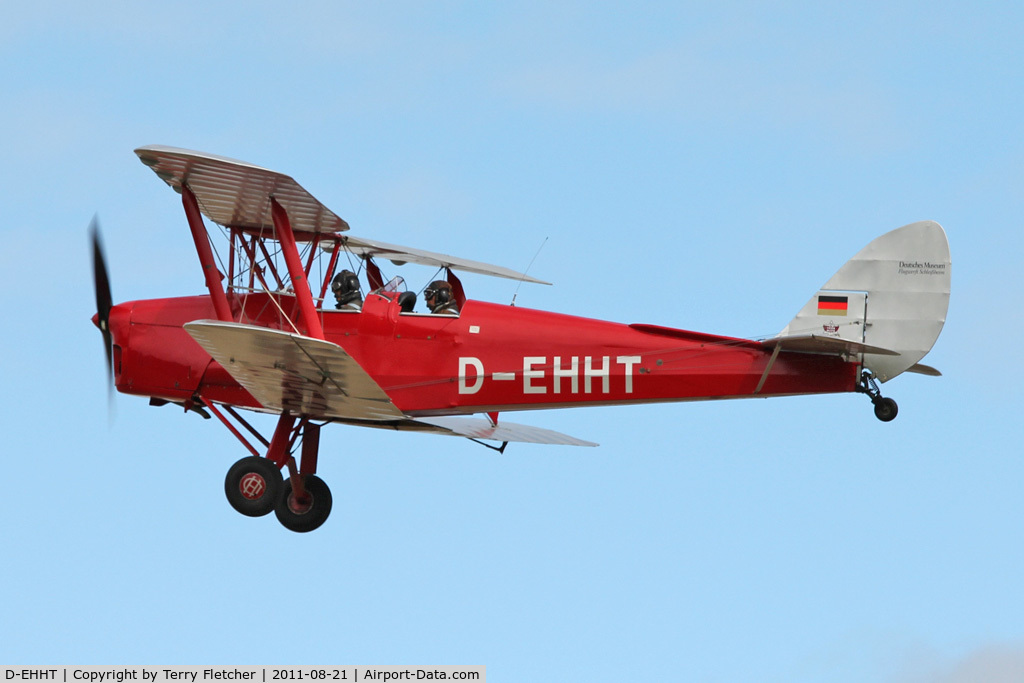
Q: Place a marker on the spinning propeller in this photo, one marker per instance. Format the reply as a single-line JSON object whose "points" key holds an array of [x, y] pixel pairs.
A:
{"points": [[104, 300]]}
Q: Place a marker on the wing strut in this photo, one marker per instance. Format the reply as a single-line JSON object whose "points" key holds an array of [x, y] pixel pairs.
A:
{"points": [[199, 236], [307, 309]]}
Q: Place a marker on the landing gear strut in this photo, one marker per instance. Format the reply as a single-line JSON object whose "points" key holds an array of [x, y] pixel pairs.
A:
{"points": [[885, 408]]}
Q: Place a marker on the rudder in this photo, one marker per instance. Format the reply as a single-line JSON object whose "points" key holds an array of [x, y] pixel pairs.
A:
{"points": [[903, 279]]}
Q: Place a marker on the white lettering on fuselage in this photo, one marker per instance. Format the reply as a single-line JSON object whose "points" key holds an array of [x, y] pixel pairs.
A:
{"points": [[478, 382], [572, 372], [529, 373], [590, 373], [536, 371]]}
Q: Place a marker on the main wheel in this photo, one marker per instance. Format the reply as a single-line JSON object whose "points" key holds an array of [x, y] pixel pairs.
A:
{"points": [[304, 516], [252, 486], [886, 409]]}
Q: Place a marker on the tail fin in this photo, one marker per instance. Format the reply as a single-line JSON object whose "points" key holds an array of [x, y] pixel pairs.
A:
{"points": [[892, 295]]}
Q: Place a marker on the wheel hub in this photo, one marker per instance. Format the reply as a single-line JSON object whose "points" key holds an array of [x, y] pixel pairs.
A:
{"points": [[252, 486], [300, 506]]}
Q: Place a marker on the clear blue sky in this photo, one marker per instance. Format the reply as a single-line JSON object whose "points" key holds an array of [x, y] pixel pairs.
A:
{"points": [[699, 168]]}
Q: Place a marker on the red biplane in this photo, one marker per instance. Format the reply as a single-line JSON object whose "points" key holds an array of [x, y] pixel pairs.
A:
{"points": [[268, 338]]}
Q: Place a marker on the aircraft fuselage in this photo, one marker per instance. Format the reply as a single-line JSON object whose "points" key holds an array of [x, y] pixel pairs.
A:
{"points": [[491, 357]]}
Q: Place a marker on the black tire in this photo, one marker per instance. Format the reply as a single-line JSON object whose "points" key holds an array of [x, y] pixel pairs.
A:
{"points": [[310, 518], [252, 486], [886, 409]]}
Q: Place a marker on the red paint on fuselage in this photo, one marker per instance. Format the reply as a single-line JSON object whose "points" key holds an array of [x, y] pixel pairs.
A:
{"points": [[490, 358]]}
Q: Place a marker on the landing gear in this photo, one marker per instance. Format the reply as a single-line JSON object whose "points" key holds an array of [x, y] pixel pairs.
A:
{"points": [[252, 486], [885, 408], [307, 510]]}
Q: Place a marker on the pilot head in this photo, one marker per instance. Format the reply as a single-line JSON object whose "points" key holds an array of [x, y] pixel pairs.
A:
{"points": [[346, 289], [438, 295]]}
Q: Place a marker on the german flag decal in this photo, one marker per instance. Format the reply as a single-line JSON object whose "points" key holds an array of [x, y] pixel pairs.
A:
{"points": [[832, 305]]}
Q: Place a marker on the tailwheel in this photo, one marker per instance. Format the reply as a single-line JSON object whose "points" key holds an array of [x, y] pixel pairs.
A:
{"points": [[252, 486], [886, 409], [306, 511]]}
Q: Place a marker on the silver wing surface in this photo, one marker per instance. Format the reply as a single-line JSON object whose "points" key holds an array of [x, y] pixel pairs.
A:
{"points": [[816, 343], [237, 194], [400, 255], [302, 375], [480, 428], [318, 379]]}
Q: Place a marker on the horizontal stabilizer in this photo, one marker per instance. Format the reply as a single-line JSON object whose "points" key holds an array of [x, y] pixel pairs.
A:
{"points": [[922, 369], [814, 343], [302, 375], [480, 428]]}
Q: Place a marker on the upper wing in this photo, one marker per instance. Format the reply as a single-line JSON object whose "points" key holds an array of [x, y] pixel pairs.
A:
{"points": [[302, 375], [237, 194], [401, 255]]}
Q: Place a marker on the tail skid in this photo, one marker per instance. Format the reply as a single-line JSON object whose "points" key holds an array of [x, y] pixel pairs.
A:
{"points": [[891, 297]]}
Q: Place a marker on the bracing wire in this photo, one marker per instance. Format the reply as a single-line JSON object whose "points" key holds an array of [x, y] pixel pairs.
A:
{"points": [[526, 272]]}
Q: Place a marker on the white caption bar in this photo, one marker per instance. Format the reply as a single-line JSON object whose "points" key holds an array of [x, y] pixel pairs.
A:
{"points": [[229, 674]]}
